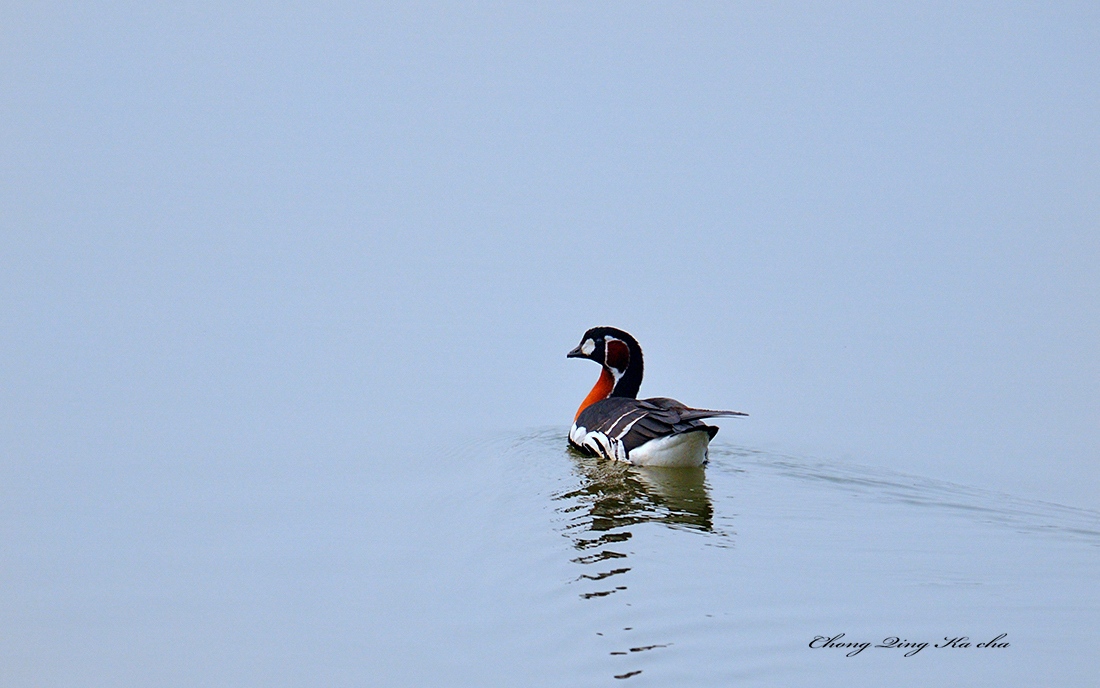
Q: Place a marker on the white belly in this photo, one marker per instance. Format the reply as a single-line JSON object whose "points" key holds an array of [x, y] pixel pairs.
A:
{"points": [[675, 451]]}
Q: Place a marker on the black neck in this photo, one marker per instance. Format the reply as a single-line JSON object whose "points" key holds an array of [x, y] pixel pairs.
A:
{"points": [[631, 381]]}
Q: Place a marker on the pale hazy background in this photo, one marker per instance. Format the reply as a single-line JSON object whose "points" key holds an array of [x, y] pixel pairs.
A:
{"points": [[298, 228]]}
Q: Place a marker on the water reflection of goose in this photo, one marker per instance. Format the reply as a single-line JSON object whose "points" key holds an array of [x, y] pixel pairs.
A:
{"points": [[610, 499], [614, 496]]}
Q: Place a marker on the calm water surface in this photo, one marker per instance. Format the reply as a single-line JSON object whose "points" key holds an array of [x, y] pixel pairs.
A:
{"points": [[513, 561], [585, 572]]}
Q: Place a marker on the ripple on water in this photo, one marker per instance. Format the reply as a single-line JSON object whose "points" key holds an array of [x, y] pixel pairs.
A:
{"points": [[987, 506], [706, 576]]}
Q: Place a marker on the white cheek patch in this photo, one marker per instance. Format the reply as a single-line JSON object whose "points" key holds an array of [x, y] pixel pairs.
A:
{"points": [[588, 347]]}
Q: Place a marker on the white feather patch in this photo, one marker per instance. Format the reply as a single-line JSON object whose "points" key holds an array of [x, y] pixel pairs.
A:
{"points": [[598, 443], [673, 451]]}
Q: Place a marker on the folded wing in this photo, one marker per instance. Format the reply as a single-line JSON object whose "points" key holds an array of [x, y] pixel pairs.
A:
{"points": [[624, 424]]}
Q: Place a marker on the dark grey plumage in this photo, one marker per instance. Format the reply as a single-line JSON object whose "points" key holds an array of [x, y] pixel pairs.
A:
{"points": [[633, 422]]}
